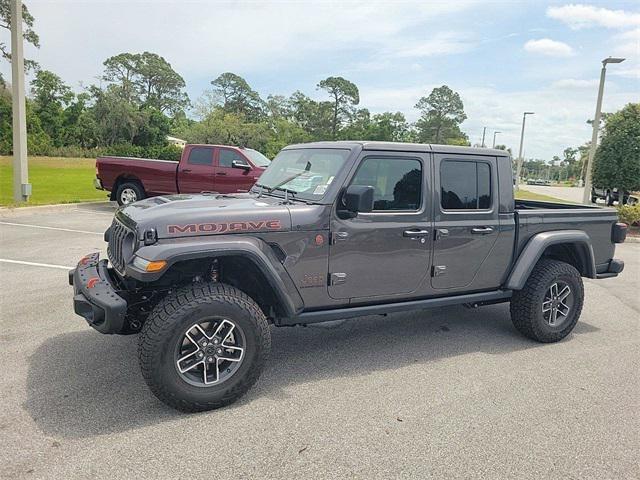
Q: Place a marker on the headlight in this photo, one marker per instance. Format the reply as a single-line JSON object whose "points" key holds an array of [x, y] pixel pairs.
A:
{"points": [[147, 265]]}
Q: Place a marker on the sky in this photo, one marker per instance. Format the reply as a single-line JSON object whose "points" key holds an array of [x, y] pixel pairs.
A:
{"points": [[503, 57]]}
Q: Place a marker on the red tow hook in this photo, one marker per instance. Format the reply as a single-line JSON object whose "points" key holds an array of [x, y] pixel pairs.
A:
{"points": [[92, 282]]}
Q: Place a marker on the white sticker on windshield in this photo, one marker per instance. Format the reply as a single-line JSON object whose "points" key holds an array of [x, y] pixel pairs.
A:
{"points": [[320, 189]]}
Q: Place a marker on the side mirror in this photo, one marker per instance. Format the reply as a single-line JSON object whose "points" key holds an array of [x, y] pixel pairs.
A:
{"points": [[358, 199], [242, 165]]}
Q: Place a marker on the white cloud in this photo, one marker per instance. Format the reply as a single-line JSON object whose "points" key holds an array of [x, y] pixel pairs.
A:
{"points": [[584, 16], [551, 48], [571, 83], [628, 72], [203, 39], [443, 43], [559, 121]]}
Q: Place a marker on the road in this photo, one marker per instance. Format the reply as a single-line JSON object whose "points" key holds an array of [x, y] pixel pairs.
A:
{"points": [[570, 194], [448, 393]]}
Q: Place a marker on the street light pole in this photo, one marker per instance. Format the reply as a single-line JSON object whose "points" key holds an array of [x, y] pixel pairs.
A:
{"points": [[519, 161], [484, 130], [494, 139], [586, 195], [21, 186]]}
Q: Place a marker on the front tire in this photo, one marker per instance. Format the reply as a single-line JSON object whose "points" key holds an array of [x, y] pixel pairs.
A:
{"points": [[203, 347], [549, 306]]}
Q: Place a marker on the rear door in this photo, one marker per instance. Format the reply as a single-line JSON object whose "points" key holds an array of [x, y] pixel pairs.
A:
{"points": [[466, 219], [196, 172], [230, 179]]}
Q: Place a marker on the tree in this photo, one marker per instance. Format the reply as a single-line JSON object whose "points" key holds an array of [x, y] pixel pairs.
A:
{"points": [[345, 97], [617, 159], [50, 97], [28, 32], [313, 117], [236, 96], [146, 80], [442, 112], [390, 127], [160, 86]]}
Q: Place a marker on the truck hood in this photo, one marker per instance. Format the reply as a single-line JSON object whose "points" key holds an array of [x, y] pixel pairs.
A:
{"points": [[206, 214]]}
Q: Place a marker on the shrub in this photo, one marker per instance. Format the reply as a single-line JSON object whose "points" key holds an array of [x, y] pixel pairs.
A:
{"points": [[162, 152], [629, 214]]}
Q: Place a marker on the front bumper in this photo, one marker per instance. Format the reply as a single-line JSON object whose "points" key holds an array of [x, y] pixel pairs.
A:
{"points": [[95, 297]]}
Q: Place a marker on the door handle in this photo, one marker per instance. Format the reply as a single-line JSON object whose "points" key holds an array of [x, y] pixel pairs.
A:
{"points": [[221, 173], [482, 230], [414, 233], [186, 170]]}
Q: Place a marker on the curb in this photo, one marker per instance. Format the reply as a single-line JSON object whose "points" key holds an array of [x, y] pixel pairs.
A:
{"points": [[53, 206]]}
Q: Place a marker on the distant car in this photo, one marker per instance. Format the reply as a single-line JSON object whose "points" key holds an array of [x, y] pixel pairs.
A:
{"points": [[609, 195], [538, 181], [202, 168]]}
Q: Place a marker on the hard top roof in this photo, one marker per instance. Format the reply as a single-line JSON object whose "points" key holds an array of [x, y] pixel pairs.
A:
{"points": [[402, 147]]}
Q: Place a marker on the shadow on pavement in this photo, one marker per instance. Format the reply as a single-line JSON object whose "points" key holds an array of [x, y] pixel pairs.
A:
{"points": [[84, 384]]}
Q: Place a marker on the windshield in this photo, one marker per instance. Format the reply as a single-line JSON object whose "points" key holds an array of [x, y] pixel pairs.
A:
{"points": [[307, 172], [258, 159]]}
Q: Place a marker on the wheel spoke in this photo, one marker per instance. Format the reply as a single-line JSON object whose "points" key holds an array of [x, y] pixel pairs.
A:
{"points": [[214, 370], [189, 361], [546, 306], [553, 290], [232, 354], [563, 308], [554, 316], [564, 293], [224, 330], [202, 332]]}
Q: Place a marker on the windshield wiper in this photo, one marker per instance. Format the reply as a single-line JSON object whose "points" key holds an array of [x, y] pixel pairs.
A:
{"points": [[290, 179]]}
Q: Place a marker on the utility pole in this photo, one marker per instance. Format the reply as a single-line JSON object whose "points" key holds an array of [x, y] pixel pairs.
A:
{"points": [[519, 160], [586, 195], [484, 130], [494, 139], [21, 185]]}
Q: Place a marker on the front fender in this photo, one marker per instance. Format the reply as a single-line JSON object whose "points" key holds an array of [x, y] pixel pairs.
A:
{"points": [[258, 251], [539, 243]]}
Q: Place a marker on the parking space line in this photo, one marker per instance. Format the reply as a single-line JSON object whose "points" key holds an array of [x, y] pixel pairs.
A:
{"points": [[34, 264], [49, 228]]}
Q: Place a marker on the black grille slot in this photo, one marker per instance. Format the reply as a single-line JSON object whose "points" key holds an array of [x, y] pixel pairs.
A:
{"points": [[121, 243]]}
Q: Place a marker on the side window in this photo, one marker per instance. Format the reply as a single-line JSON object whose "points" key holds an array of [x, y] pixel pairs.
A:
{"points": [[465, 185], [227, 157], [397, 182], [201, 156]]}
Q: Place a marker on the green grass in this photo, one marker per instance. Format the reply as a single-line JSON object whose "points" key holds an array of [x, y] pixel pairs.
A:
{"points": [[54, 180], [527, 195]]}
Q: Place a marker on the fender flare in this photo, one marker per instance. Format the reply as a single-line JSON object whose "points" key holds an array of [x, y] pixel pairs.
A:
{"points": [[536, 246], [255, 249]]}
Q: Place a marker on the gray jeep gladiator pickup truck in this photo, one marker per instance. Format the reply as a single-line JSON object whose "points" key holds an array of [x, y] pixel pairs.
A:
{"points": [[334, 230]]}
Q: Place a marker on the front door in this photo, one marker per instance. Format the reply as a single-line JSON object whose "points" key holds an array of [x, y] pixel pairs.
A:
{"points": [[465, 219], [197, 174], [230, 179], [387, 251]]}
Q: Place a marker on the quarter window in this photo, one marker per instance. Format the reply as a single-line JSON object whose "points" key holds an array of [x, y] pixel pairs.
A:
{"points": [[227, 157], [465, 185], [201, 156], [397, 182]]}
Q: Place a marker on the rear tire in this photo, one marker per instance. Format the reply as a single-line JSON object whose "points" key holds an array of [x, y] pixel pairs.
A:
{"points": [[187, 381], [533, 307], [128, 193]]}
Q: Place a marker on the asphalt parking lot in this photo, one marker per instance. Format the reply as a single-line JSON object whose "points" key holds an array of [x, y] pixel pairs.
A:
{"points": [[449, 393]]}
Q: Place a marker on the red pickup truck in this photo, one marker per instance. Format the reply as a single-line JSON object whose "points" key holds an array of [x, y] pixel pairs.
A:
{"points": [[202, 168]]}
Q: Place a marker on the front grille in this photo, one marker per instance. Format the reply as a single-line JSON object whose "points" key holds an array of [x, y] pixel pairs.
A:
{"points": [[121, 245]]}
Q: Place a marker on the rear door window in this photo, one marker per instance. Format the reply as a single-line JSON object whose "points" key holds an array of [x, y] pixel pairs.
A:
{"points": [[200, 156], [465, 185]]}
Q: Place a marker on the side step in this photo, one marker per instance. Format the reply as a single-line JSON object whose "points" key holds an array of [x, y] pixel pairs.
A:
{"points": [[496, 296]]}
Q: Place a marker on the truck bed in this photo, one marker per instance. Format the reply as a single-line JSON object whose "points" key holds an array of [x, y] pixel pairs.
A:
{"points": [[533, 217], [157, 176]]}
